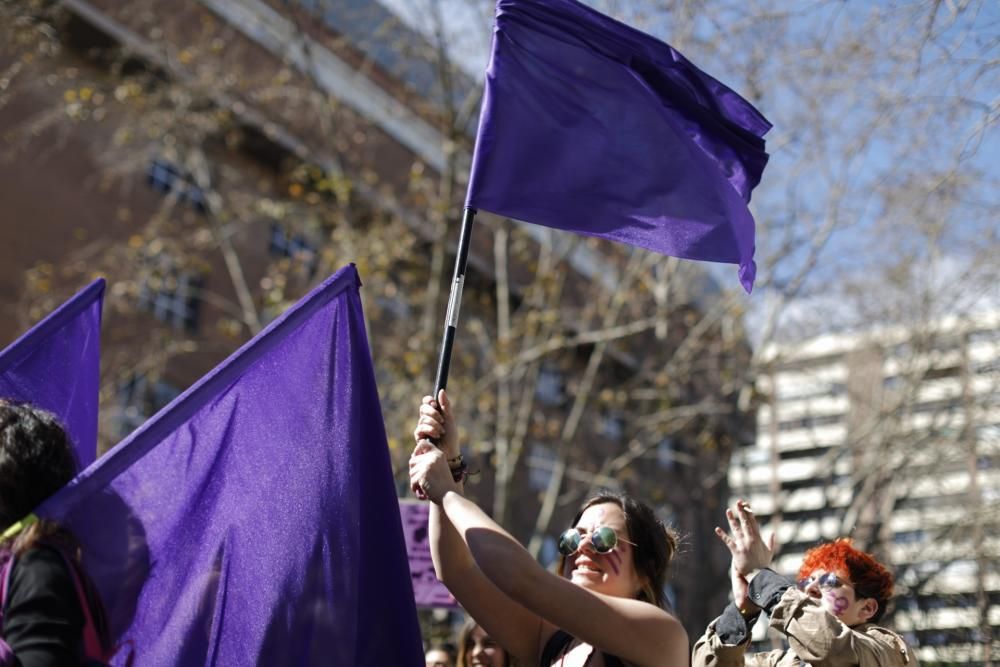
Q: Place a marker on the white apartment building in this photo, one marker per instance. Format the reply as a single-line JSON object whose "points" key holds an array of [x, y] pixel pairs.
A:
{"points": [[891, 437]]}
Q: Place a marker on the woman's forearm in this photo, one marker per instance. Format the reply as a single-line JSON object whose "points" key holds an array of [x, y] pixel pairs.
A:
{"points": [[500, 557], [449, 552]]}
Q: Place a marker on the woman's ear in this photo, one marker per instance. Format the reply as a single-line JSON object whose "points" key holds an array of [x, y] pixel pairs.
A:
{"points": [[868, 609]]}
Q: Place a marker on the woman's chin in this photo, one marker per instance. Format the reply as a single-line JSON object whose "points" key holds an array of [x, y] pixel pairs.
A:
{"points": [[587, 578]]}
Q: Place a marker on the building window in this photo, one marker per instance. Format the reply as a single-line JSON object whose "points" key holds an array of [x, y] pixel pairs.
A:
{"points": [[984, 336], [172, 296], [809, 421], [909, 537], [666, 454], [293, 246], [138, 398], [540, 463], [166, 177], [549, 551], [612, 426], [550, 388]]}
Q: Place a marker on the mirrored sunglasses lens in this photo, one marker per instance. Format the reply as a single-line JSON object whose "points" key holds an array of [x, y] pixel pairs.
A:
{"points": [[569, 542], [604, 539], [803, 584], [829, 581]]}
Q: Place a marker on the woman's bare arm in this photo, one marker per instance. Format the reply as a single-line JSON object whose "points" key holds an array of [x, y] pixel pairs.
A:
{"points": [[635, 631]]}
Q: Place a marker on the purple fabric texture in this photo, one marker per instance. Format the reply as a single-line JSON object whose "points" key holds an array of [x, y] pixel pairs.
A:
{"points": [[591, 126], [254, 520], [55, 365]]}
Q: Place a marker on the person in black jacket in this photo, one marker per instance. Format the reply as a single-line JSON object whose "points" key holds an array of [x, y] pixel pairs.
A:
{"points": [[43, 620]]}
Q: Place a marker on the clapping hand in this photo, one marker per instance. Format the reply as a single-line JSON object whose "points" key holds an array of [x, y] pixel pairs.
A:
{"points": [[747, 547]]}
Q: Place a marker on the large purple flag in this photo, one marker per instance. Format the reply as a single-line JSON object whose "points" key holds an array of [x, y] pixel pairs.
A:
{"points": [[56, 365], [591, 126], [254, 520]]}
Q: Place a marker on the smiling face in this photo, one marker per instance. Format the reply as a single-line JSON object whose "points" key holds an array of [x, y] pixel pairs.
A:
{"points": [[437, 657], [612, 573], [842, 601], [481, 650]]}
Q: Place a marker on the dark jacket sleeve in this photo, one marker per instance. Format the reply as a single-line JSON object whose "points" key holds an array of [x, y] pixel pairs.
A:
{"points": [[767, 587], [42, 620]]}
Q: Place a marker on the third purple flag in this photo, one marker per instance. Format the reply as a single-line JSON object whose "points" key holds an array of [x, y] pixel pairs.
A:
{"points": [[591, 126], [56, 365]]}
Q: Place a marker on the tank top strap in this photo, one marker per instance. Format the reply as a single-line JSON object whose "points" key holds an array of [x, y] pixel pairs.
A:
{"points": [[559, 640]]}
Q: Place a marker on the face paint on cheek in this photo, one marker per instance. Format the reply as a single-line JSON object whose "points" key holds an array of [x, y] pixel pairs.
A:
{"points": [[615, 560], [838, 603]]}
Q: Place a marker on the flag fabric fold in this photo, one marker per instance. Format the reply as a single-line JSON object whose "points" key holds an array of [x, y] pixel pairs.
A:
{"points": [[254, 520], [591, 126], [56, 365]]}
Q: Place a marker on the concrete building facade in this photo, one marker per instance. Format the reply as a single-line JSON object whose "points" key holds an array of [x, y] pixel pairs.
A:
{"points": [[891, 437]]}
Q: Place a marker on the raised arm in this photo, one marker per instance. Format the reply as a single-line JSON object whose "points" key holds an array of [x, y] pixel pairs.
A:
{"points": [[512, 626], [635, 631], [725, 641]]}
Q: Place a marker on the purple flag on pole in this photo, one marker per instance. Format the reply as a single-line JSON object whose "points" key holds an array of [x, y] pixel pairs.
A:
{"points": [[56, 366], [254, 520], [591, 126]]}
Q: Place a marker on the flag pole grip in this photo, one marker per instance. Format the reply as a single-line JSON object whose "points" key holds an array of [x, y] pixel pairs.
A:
{"points": [[454, 300], [451, 319]]}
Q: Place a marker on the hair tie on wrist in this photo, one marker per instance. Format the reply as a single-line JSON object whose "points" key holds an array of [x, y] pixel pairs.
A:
{"points": [[460, 473]]}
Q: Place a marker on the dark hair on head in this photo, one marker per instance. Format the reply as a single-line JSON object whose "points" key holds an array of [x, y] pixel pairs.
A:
{"points": [[36, 459], [655, 543], [869, 578], [463, 640]]}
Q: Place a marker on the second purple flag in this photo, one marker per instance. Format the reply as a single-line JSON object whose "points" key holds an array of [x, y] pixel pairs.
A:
{"points": [[591, 126]]}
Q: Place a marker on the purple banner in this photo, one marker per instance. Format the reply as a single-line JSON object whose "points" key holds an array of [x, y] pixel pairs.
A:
{"points": [[427, 590]]}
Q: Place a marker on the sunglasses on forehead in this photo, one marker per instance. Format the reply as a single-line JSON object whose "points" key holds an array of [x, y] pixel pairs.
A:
{"points": [[826, 582], [603, 539]]}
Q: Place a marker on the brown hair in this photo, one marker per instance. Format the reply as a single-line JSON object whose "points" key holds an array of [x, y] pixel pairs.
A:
{"points": [[655, 543], [463, 640]]}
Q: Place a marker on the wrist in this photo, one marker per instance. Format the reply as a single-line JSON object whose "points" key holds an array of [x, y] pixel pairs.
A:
{"points": [[747, 608]]}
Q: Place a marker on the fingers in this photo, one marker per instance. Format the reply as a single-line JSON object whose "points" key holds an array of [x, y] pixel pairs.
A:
{"points": [[770, 541], [726, 539], [734, 523], [430, 424], [747, 520], [424, 446], [444, 402]]}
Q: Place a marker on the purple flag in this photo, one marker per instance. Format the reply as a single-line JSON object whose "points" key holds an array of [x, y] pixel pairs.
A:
{"points": [[427, 588], [254, 520], [591, 126], [56, 366]]}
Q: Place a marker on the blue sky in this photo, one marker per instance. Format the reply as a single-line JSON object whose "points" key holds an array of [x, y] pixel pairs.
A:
{"points": [[882, 124]]}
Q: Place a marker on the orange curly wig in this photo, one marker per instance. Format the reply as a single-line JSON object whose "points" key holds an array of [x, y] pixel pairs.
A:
{"points": [[868, 577]]}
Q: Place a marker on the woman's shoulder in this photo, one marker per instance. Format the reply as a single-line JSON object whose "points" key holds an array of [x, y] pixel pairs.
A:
{"points": [[41, 569]]}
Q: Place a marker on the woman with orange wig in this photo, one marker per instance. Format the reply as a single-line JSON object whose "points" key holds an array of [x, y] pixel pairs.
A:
{"points": [[828, 616]]}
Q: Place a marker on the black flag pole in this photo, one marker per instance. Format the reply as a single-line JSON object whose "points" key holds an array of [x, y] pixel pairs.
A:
{"points": [[451, 319], [454, 301]]}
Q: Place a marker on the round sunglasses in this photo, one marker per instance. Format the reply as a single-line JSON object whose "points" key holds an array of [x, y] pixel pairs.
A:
{"points": [[827, 581], [603, 539]]}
